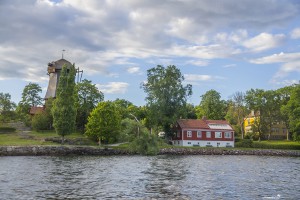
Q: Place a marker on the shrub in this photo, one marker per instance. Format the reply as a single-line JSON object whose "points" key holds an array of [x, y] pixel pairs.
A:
{"points": [[246, 143], [146, 144], [7, 129], [262, 145]]}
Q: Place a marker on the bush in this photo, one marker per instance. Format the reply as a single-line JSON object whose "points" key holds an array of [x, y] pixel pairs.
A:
{"points": [[7, 129], [146, 144], [262, 145], [246, 143]]}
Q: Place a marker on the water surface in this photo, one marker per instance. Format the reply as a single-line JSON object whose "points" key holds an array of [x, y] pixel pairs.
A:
{"points": [[159, 177]]}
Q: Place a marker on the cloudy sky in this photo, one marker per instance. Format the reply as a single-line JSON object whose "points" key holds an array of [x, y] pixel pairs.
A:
{"points": [[227, 45]]}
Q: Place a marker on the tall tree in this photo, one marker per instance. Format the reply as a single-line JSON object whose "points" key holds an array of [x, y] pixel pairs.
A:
{"points": [[6, 107], [237, 111], [64, 108], [88, 98], [166, 96], [293, 111], [211, 106], [256, 101], [104, 122]]}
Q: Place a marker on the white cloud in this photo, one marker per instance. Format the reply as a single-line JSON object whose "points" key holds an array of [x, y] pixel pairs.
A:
{"points": [[113, 87], [287, 68], [229, 65], [277, 58], [264, 41], [196, 78], [197, 62], [133, 70], [295, 34]]}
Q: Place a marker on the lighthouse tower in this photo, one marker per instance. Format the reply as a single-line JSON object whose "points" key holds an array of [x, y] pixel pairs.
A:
{"points": [[54, 69]]}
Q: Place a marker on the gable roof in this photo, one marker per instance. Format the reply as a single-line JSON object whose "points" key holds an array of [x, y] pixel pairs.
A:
{"points": [[204, 124]]}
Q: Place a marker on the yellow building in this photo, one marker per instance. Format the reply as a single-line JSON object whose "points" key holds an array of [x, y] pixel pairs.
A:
{"points": [[278, 130]]}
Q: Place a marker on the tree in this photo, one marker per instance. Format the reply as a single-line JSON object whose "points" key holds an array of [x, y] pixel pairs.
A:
{"points": [[30, 95], [293, 111], [166, 96], [64, 108], [256, 102], [6, 107], [88, 97], [211, 106], [44, 119], [104, 122], [237, 111], [30, 98]]}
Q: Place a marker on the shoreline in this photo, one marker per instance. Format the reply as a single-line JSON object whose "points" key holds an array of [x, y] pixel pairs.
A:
{"points": [[88, 150]]}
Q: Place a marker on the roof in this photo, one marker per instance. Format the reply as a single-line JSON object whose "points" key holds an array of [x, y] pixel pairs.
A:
{"points": [[35, 110], [204, 124], [59, 64]]}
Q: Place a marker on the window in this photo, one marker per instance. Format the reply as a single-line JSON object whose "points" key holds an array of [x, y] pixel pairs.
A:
{"points": [[199, 134], [189, 143], [189, 133], [178, 134], [218, 134], [208, 134], [227, 134]]}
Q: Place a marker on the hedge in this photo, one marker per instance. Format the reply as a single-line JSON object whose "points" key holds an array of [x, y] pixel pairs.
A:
{"points": [[7, 129], [260, 145]]}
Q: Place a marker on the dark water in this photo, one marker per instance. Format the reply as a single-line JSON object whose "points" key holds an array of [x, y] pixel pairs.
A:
{"points": [[160, 177]]}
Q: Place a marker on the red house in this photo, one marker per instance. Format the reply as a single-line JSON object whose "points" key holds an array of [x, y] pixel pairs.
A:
{"points": [[203, 133]]}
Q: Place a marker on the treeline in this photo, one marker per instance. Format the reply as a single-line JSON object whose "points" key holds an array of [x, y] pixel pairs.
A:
{"points": [[166, 101]]}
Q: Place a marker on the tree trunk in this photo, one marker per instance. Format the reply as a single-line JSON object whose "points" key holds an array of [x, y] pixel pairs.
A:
{"points": [[99, 141]]}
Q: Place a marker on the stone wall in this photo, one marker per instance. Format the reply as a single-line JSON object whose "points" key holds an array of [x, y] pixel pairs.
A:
{"points": [[81, 150]]}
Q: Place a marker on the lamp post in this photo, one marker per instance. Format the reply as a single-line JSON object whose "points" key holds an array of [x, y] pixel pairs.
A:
{"points": [[137, 122]]}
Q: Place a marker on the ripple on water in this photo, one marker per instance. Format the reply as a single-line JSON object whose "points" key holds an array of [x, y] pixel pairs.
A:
{"points": [[159, 177]]}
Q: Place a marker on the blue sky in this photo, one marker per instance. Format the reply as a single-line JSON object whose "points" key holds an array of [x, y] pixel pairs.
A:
{"points": [[227, 45]]}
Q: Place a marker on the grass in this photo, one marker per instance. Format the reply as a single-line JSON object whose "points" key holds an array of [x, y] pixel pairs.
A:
{"points": [[35, 138]]}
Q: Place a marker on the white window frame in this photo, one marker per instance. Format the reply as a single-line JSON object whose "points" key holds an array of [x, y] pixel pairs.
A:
{"points": [[228, 135], [208, 134], [199, 134], [218, 134], [189, 134]]}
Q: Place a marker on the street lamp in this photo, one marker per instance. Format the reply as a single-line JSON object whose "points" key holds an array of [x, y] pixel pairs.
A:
{"points": [[137, 122]]}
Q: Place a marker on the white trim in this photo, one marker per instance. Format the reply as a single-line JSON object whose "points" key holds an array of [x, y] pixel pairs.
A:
{"points": [[203, 143]]}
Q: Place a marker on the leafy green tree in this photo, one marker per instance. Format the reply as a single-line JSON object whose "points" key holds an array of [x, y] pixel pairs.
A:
{"points": [[6, 107], [256, 101], [131, 129], [292, 109], [166, 97], [88, 97], [30, 95], [211, 106], [236, 112], [104, 122], [30, 98], [64, 108]]}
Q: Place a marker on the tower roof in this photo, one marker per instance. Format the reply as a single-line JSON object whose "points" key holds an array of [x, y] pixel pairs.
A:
{"points": [[59, 64]]}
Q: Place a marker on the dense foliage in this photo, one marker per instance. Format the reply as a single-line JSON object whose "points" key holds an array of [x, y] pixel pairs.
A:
{"points": [[166, 97], [88, 97], [104, 122], [64, 106]]}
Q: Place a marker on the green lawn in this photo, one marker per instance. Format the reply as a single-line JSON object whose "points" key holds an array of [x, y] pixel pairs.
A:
{"points": [[36, 138]]}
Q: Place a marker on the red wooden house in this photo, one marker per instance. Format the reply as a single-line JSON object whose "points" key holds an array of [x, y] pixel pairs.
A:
{"points": [[202, 132]]}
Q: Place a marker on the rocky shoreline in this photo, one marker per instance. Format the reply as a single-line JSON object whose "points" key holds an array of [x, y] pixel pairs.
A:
{"points": [[86, 150]]}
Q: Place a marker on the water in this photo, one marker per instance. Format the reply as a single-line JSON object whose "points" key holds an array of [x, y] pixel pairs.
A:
{"points": [[159, 177]]}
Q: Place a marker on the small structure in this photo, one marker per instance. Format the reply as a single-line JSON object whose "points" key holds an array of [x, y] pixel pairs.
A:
{"points": [[203, 133]]}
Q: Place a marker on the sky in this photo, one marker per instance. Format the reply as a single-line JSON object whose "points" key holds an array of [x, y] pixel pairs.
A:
{"points": [[228, 46]]}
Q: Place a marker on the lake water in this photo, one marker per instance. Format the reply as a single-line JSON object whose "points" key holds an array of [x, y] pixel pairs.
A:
{"points": [[159, 177]]}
